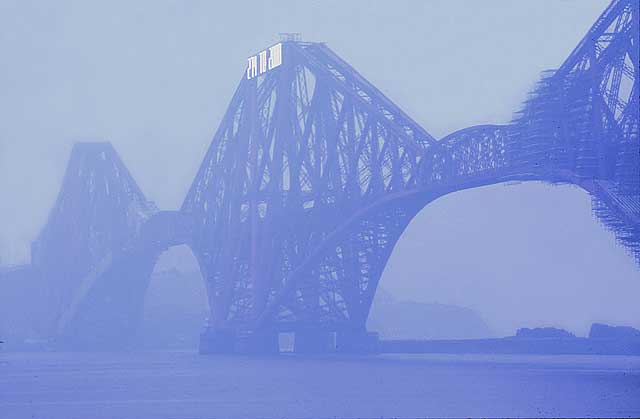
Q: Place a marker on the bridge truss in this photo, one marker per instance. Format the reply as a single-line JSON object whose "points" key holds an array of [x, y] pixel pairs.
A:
{"points": [[313, 175]]}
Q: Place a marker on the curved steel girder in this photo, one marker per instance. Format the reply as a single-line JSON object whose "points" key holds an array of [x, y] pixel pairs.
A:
{"points": [[471, 157], [121, 280], [427, 195]]}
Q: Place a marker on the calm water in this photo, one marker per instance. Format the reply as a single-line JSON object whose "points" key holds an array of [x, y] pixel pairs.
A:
{"points": [[185, 385]]}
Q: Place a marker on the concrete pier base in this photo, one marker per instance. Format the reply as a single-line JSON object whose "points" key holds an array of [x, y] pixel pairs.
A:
{"points": [[313, 342], [217, 341], [265, 342], [357, 342], [222, 341], [257, 342]]}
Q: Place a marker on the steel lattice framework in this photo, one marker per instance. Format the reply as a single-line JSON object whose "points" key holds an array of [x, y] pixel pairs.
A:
{"points": [[313, 175]]}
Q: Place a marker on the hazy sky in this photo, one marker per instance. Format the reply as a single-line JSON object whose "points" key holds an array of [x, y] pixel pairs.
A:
{"points": [[154, 77]]}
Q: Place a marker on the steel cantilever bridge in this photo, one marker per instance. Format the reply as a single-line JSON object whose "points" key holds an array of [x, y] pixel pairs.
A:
{"points": [[311, 178]]}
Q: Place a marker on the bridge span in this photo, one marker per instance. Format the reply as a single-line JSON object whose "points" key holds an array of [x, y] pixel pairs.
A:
{"points": [[309, 181]]}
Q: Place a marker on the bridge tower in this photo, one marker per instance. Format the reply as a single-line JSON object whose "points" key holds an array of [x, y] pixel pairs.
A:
{"points": [[311, 178], [98, 209], [306, 142], [313, 175], [95, 255]]}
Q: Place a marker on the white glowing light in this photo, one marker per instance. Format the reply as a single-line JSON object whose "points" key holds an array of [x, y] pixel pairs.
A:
{"points": [[252, 67], [264, 61]]}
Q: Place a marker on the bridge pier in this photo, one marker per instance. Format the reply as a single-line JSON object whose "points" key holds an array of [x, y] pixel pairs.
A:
{"points": [[313, 342], [357, 341], [217, 341], [306, 341], [257, 342], [229, 341]]}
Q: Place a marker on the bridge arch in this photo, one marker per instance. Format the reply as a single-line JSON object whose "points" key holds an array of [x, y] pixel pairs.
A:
{"points": [[488, 248], [106, 309], [449, 168], [175, 306], [314, 173]]}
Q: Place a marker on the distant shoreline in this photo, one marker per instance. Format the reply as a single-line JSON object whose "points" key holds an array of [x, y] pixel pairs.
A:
{"points": [[515, 345]]}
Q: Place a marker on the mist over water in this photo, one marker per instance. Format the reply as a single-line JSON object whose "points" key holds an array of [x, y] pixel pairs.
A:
{"points": [[155, 78]]}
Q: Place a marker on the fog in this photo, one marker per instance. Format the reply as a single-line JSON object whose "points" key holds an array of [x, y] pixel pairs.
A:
{"points": [[155, 77]]}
